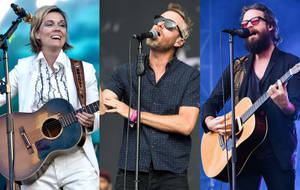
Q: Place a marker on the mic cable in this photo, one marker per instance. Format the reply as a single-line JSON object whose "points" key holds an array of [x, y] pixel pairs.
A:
{"points": [[128, 119]]}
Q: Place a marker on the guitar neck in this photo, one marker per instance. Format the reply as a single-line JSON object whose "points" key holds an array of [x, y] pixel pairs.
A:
{"points": [[70, 118], [263, 98]]}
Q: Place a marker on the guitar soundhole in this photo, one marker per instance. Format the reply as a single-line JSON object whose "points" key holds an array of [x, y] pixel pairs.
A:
{"points": [[51, 128]]}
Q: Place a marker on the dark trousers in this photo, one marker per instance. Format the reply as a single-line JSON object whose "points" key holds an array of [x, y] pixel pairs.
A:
{"points": [[154, 180], [269, 169]]}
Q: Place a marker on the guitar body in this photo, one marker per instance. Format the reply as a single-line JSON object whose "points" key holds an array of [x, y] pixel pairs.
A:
{"points": [[39, 137], [214, 157]]}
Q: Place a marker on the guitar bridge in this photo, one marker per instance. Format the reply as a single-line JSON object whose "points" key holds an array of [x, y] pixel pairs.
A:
{"points": [[25, 139]]}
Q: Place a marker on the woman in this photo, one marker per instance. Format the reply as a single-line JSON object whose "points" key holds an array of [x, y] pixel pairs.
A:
{"points": [[47, 75]]}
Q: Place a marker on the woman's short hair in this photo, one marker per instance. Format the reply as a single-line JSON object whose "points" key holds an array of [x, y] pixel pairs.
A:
{"points": [[39, 16]]}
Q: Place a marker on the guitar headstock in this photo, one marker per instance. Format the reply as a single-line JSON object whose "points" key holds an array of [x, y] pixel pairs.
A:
{"points": [[295, 69]]}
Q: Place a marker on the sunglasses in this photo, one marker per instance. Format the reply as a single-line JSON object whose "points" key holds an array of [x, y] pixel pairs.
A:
{"points": [[169, 24], [254, 21]]}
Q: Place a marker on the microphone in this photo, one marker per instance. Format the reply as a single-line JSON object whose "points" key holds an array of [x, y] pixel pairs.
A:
{"points": [[241, 32], [153, 34], [27, 17]]}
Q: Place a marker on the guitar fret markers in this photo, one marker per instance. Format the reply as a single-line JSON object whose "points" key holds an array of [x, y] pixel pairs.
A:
{"points": [[265, 96], [70, 118]]}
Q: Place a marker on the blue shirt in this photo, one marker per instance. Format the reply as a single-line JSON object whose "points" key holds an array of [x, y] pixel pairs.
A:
{"points": [[179, 86]]}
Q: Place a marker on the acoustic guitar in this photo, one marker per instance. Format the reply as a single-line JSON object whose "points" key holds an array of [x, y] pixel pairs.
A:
{"points": [[41, 136], [216, 148]]}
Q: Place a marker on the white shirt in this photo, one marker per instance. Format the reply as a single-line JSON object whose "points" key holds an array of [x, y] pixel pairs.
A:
{"points": [[50, 84], [24, 77]]}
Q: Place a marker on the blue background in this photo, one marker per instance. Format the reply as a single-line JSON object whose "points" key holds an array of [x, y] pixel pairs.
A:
{"points": [[216, 15], [83, 29]]}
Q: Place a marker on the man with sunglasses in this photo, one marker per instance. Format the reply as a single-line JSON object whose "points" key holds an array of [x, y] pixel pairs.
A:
{"points": [[170, 102], [255, 74]]}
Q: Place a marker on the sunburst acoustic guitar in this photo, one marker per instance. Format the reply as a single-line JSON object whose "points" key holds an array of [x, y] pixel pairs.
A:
{"points": [[41, 136]]}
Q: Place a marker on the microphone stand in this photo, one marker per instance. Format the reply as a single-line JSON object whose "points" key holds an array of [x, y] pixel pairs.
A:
{"points": [[233, 136], [5, 88], [243, 33], [140, 69]]}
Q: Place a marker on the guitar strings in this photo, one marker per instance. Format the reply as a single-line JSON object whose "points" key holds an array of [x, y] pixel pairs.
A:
{"points": [[70, 117]]}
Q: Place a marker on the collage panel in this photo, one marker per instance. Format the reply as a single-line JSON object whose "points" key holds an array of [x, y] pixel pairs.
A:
{"points": [[165, 150], [51, 132], [265, 49]]}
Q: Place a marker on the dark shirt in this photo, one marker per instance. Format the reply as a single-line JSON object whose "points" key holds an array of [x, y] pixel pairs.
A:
{"points": [[179, 86], [253, 87], [281, 127], [254, 92]]}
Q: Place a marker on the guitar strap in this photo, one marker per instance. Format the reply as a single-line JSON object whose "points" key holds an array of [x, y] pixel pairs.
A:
{"points": [[239, 73], [78, 74]]}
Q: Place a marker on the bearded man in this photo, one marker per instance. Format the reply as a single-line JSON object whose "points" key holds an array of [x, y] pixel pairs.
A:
{"points": [[274, 158]]}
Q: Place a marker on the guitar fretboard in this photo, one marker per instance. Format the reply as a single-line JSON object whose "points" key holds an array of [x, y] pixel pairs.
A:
{"points": [[71, 118], [263, 98]]}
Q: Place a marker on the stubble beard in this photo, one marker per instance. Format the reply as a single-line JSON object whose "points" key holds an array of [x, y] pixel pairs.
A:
{"points": [[153, 44], [156, 45]]}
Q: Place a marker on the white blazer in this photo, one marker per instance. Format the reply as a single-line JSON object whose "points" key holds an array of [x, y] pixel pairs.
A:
{"points": [[23, 79]]}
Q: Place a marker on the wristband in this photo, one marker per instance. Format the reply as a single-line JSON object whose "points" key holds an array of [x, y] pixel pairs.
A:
{"points": [[133, 118]]}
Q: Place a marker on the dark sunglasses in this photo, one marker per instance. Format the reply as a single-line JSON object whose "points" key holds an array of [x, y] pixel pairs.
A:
{"points": [[254, 21], [169, 24]]}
